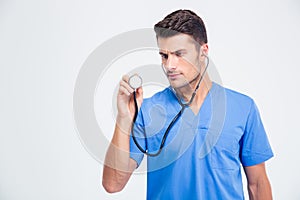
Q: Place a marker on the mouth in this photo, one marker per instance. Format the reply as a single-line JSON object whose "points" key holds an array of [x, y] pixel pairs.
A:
{"points": [[173, 75]]}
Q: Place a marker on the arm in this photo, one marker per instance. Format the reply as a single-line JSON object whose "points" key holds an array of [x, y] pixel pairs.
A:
{"points": [[118, 165], [259, 187]]}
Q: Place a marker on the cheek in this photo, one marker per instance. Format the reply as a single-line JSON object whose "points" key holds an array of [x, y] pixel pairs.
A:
{"points": [[191, 68], [191, 62], [188, 65]]}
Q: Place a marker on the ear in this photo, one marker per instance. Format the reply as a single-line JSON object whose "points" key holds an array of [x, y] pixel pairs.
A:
{"points": [[204, 49]]}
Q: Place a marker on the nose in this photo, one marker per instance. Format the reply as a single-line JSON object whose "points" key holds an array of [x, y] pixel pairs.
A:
{"points": [[171, 62]]}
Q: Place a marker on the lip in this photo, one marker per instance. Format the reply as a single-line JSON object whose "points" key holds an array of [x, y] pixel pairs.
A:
{"points": [[173, 76]]}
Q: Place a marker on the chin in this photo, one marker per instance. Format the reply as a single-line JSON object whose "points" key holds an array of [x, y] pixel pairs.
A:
{"points": [[178, 85]]}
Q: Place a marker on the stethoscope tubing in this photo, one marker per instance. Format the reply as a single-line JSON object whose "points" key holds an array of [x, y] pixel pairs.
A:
{"points": [[183, 106]]}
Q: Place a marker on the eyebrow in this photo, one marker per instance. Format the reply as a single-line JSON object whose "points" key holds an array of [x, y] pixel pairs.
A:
{"points": [[162, 52]]}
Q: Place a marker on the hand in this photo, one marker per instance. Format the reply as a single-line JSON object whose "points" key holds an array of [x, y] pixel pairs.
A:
{"points": [[125, 101]]}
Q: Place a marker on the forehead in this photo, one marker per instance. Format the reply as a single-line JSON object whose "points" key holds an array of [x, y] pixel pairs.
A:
{"points": [[176, 42]]}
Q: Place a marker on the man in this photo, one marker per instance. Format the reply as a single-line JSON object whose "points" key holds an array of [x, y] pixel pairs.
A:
{"points": [[217, 130]]}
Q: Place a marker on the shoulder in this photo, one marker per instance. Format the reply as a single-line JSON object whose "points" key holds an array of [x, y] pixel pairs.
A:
{"points": [[234, 95], [162, 97], [236, 103], [236, 98], [161, 102]]}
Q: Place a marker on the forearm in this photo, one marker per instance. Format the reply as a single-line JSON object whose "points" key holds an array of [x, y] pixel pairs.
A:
{"points": [[261, 190], [118, 165]]}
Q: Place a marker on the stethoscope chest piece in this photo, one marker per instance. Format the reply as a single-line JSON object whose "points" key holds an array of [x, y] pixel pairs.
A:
{"points": [[135, 81]]}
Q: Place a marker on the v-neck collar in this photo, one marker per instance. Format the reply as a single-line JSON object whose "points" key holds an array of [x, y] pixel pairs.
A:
{"points": [[188, 116]]}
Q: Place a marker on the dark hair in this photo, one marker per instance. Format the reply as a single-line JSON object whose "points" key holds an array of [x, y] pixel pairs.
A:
{"points": [[182, 21]]}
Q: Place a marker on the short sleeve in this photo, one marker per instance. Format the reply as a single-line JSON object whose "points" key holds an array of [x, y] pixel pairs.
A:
{"points": [[139, 134], [255, 146]]}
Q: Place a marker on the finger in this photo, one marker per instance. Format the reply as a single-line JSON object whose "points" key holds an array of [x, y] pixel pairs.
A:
{"points": [[123, 90], [125, 78], [139, 91], [126, 85], [139, 95]]}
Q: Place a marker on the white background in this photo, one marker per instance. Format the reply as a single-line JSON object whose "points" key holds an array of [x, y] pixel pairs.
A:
{"points": [[254, 44]]}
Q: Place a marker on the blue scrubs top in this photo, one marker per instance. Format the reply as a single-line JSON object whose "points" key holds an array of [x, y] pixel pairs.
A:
{"points": [[203, 153]]}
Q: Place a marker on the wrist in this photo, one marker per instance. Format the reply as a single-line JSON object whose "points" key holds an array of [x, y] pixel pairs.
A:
{"points": [[124, 123]]}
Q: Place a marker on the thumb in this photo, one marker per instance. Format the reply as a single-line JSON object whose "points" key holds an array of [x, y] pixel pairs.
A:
{"points": [[139, 94]]}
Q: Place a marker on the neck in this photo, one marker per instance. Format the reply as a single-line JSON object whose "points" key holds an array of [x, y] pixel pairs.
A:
{"points": [[186, 92]]}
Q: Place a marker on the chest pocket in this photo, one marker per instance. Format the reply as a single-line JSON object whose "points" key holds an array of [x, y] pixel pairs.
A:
{"points": [[225, 154]]}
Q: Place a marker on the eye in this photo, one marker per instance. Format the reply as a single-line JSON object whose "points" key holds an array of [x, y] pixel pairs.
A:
{"points": [[164, 56], [179, 54]]}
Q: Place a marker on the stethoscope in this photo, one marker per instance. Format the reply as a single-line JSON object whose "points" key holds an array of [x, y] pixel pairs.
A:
{"points": [[135, 81]]}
